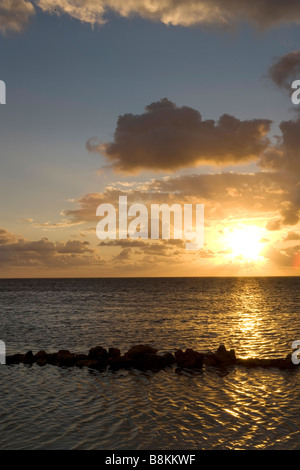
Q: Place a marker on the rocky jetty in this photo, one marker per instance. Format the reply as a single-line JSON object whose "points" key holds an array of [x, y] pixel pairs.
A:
{"points": [[144, 357]]}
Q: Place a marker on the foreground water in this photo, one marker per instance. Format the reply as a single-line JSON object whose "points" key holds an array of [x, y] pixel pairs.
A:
{"points": [[236, 408]]}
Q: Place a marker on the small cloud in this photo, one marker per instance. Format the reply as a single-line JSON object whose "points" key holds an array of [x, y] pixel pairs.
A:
{"points": [[291, 236], [285, 70], [264, 240]]}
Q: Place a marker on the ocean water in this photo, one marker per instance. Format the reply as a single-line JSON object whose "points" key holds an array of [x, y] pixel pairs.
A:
{"points": [[71, 408]]}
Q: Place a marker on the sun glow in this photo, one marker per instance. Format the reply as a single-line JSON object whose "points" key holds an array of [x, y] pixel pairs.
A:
{"points": [[244, 243]]}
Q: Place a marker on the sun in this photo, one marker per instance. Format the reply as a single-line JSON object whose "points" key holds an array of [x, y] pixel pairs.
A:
{"points": [[244, 243]]}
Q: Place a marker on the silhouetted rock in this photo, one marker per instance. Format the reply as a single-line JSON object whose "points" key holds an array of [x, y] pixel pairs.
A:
{"points": [[81, 357], [210, 359], [189, 359], [144, 357], [139, 351], [28, 358], [279, 363], [90, 363], [121, 362], [98, 353], [41, 361], [225, 357], [40, 354], [287, 363], [249, 362], [270, 362], [65, 358], [169, 358], [14, 358], [114, 353], [150, 362], [52, 358], [141, 357]]}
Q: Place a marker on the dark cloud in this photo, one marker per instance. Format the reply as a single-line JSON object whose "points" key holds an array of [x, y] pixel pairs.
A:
{"points": [[15, 15], [44, 253], [168, 137], [285, 154], [283, 159], [285, 70], [291, 236]]}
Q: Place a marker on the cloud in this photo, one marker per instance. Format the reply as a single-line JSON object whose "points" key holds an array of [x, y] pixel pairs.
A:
{"points": [[264, 240], [168, 137], [6, 237], [273, 225], [142, 244], [283, 159], [282, 257], [284, 155], [291, 236], [15, 15], [129, 248], [264, 13], [285, 70], [223, 194], [17, 251]]}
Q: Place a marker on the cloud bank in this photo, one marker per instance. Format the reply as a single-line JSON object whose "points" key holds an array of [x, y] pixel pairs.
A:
{"points": [[262, 13], [15, 14], [18, 252]]}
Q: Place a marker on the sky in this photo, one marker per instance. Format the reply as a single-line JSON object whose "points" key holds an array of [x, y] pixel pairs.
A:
{"points": [[163, 102]]}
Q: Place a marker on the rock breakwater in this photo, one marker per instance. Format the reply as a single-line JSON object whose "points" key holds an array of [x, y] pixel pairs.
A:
{"points": [[144, 357]]}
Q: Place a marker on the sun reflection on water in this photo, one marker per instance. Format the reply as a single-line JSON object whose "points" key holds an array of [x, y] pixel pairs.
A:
{"points": [[250, 322]]}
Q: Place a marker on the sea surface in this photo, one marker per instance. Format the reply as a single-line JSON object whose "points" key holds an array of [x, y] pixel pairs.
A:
{"points": [[69, 408]]}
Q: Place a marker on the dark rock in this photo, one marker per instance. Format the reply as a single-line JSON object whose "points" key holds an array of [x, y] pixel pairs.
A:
{"points": [[139, 351], [144, 357], [211, 360], [90, 363], [249, 362], [287, 363], [51, 358], [65, 358], [114, 353], [14, 359], [81, 357], [189, 359], [225, 357], [150, 361], [40, 354], [28, 358], [169, 358], [41, 362], [63, 353], [121, 362], [270, 362], [98, 353]]}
